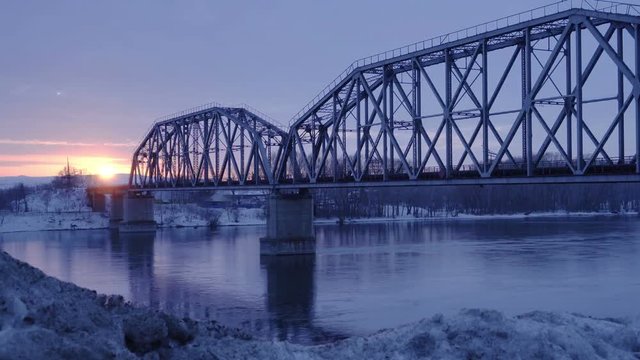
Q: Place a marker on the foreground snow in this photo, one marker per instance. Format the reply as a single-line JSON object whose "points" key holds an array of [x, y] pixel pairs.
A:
{"points": [[44, 318]]}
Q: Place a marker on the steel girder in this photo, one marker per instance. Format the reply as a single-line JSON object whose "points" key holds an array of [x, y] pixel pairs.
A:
{"points": [[210, 147], [430, 114]]}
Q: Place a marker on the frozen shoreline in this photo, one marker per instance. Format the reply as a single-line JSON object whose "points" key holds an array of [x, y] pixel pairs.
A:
{"points": [[39, 221], [44, 318], [464, 217]]}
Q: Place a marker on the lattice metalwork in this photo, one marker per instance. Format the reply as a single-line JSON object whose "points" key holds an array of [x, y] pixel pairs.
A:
{"points": [[211, 146], [553, 92], [434, 113]]}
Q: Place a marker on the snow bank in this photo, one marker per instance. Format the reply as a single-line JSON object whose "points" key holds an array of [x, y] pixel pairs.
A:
{"points": [[32, 221], [192, 215], [470, 217], [44, 318], [58, 200], [54, 209]]}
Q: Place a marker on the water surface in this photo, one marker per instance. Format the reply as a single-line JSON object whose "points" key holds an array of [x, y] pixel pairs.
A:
{"points": [[364, 277]]}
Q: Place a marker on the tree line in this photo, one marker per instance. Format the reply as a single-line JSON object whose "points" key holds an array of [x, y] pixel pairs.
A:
{"points": [[426, 201], [15, 198]]}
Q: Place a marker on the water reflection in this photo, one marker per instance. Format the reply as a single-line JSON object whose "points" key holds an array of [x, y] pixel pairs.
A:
{"points": [[136, 250], [290, 299], [363, 278]]}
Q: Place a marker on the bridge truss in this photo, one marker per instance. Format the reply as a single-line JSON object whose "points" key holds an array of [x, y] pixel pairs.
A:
{"points": [[552, 94], [210, 146]]}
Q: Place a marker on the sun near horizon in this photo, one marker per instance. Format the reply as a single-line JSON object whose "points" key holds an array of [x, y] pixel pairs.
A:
{"points": [[106, 172]]}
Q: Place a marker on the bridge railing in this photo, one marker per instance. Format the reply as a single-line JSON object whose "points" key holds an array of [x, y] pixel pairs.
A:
{"points": [[178, 114], [542, 11], [264, 116], [189, 111], [211, 105]]}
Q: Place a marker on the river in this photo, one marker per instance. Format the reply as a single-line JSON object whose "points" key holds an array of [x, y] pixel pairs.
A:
{"points": [[364, 277]]}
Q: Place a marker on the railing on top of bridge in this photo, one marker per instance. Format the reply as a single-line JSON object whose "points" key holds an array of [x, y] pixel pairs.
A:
{"points": [[214, 104], [210, 105], [546, 10]]}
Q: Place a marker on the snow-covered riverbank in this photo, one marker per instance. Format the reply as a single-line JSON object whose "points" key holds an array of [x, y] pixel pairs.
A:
{"points": [[467, 217], [44, 318], [66, 209], [191, 216]]}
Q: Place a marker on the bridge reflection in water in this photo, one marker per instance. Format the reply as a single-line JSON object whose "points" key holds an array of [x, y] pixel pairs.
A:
{"points": [[285, 311]]}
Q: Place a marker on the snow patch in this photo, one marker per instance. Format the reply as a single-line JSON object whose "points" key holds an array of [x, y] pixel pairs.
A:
{"points": [[44, 318]]}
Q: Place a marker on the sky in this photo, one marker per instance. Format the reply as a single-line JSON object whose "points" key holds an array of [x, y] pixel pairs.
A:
{"points": [[85, 79]]}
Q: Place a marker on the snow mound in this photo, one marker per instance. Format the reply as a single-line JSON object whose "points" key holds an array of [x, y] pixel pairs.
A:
{"points": [[44, 318], [487, 334]]}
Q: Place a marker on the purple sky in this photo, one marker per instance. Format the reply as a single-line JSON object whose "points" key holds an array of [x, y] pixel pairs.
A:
{"points": [[86, 79]]}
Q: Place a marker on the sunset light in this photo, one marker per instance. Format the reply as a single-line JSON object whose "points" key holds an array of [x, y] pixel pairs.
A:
{"points": [[468, 186], [107, 171]]}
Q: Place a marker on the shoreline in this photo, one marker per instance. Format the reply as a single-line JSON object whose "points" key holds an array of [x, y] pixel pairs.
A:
{"points": [[318, 221], [44, 318]]}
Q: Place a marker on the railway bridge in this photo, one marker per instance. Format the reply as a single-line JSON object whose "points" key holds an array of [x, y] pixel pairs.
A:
{"points": [[550, 95]]}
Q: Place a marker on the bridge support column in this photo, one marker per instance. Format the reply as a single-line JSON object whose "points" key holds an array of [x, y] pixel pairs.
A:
{"points": [[289, 225], [97, 202], [116, 210], [138, 213]]}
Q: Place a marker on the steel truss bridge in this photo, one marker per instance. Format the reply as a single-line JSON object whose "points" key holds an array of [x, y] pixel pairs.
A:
{"points": [[550, 95]]}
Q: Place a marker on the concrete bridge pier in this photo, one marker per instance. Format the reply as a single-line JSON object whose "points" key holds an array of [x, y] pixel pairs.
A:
{"points": [[116, 210], [289, 224], [97, 202], [137, 213]]}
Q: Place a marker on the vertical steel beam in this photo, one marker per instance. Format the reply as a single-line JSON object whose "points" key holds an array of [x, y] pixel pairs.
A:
{"points": [[242, 168], [256, 155], [523, 126], [205, 150], [367, 131], [358, 131], [485, 109], [345, 154], [447, 114], [417, 110], [579, 114], [384, 125], [636, 93], [334, 137], [390, 119], [417, 81], [323, 134], [568, 99], [216, 148], [314, 147], [528, 103], [620, 96]]}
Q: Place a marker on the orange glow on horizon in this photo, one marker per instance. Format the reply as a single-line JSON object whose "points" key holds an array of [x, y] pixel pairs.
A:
{"points": [[105, 167], [107, 172]]}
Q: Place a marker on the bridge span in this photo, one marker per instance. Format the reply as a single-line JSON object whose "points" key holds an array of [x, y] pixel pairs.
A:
{"points": [[550, 95]]}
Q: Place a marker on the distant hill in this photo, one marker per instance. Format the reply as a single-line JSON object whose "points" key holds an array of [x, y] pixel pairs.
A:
{"points": [[9, 181]]}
